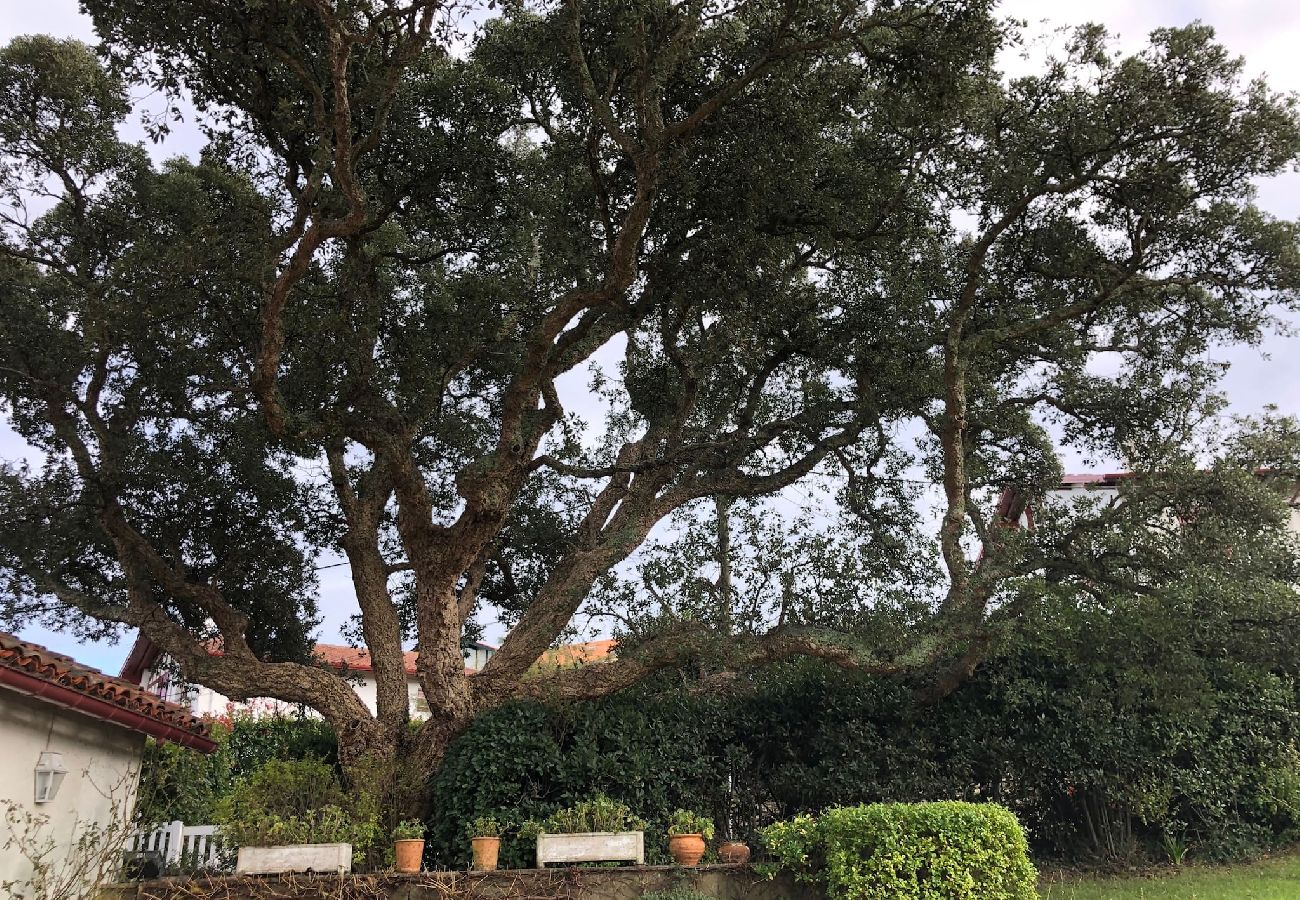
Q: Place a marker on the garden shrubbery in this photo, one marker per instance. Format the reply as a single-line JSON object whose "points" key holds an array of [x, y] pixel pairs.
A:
{"points": [[1137, 729], [182, 784], [1121, 732], [299, 802], [908, 851]]}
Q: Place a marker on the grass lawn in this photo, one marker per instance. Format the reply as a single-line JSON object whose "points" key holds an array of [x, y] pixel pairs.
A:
{"points": [[1270, 879]]}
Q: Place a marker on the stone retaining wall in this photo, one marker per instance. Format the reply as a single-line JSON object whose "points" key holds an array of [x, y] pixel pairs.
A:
{"points": [[624, 883]]}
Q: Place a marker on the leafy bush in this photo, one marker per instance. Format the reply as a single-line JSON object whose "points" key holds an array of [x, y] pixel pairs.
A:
{"points": [[285, 788], [408, 830], [485, 826], [298, 802], [600, 813], [324, 825], [177, 783], [684, 821], [888, 851], [523, 762]]}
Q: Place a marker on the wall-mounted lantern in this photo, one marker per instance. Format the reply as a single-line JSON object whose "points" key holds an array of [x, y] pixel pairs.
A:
{"points": [[49, 775]]}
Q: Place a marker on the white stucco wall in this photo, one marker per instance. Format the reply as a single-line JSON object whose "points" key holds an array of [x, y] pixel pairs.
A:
{"points": [[207, 702], [102, 760], [204, 701]]}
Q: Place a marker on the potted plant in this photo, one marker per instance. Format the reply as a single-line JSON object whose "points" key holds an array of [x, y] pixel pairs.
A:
{"points": [[485, 838], [600, 829], [294, 816], [733, 851], [688, 834], [408, 845]]}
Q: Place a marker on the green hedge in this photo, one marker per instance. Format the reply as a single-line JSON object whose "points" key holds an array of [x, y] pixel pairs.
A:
{"points": [[300, 801], [1114, 732], [1109, 733], [525, 762], [177, 783], [909, 851]]}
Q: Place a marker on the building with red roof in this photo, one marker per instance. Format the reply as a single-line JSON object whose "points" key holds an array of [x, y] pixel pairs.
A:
{"points": [[73, 739], [146, 667]]}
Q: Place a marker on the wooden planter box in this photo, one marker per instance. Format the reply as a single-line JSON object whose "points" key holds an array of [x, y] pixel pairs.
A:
{"points": [[322, 858], [591, 846]]}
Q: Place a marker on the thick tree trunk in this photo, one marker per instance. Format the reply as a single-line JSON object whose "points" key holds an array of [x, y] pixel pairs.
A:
{"points": [[398, 766]]}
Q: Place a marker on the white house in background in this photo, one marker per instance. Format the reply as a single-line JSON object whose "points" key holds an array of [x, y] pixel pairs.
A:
{"points": [[1013, 509], [147, 667], [72, 739]]}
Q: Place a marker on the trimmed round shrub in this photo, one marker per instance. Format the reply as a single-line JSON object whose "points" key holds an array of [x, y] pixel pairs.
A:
{"points": [[909, 851]]}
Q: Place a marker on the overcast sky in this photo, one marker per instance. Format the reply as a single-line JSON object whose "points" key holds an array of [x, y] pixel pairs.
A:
{"points": [[1265, 32]]}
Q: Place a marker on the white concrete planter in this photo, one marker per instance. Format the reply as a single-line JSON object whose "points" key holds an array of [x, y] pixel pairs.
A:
{"points": [[591, 846], [323, 858]]}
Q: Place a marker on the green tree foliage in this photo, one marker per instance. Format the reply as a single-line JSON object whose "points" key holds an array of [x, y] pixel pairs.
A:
{"points": [[177, 783], [808, 240]]}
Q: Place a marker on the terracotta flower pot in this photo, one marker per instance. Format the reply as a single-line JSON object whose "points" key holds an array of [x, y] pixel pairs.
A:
{"points": [[408, 855], [485, 853], [733, 852], [686, 848]]}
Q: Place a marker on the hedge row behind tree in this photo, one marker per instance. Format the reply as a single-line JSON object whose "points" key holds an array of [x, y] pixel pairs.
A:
{"points": [[1107, 733], [177, 783]]}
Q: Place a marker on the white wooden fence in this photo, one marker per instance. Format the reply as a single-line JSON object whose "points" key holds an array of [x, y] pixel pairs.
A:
{"points": [[183, 846]]}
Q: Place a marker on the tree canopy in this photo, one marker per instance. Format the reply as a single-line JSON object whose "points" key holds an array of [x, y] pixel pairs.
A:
{"points": [[788, 241]]}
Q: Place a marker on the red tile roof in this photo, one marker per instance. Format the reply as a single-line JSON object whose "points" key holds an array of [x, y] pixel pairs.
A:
{"points": [[357, 659], [578, 654], [1094, 479], [54, 678], [354, 659]]}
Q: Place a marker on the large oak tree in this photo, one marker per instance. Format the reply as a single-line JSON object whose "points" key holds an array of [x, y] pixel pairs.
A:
{"points": [[805, 232]]}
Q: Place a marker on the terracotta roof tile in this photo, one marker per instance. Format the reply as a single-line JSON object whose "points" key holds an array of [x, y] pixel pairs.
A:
{"points": [[40, 664], [578, 654], [355, 659]]}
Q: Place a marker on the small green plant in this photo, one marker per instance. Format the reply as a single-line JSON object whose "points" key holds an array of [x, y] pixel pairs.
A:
{"points": [[409, 830], [484, 826], [678, 893], [600, 813], [1175, 847], [683, 821]]}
